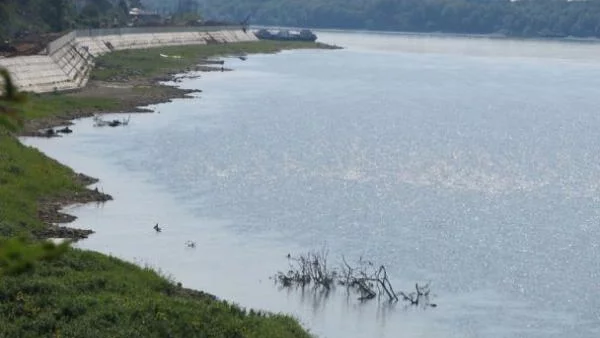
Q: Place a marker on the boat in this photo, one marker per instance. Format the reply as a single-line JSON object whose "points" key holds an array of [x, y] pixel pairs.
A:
{"points": [[286, 35]]}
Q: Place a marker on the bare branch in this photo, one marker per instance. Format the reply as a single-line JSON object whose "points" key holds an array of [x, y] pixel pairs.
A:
{"points": [[365, 278]]}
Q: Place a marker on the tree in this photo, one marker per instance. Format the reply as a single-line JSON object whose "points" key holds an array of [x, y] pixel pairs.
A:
{"points": [[549, 18], [123, 8], [135, 4], [10, 99], [55, 12]]}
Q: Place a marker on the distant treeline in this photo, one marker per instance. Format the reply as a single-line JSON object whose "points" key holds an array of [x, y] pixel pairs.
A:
{"points": [[526, 18], [523, 18], [23, 17]]}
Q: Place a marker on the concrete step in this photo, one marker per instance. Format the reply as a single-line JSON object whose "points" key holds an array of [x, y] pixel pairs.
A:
{"points": [[70, 65]]}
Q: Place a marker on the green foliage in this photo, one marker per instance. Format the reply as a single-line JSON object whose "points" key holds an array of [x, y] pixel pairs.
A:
{"points": [[26, 177], [39, 106], [85, 294], [10, 98], [18, 256], [538, 18], [56, 14], [102, 13], [19, 17], [531, 18]]}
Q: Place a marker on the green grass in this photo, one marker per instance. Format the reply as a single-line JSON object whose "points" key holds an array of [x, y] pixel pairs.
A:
{"points": [[27, 176], [86, 294], [46, 105], [149, 63]]}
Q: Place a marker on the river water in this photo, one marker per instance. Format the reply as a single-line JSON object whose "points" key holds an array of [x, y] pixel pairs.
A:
{"points": [[471, 163]]}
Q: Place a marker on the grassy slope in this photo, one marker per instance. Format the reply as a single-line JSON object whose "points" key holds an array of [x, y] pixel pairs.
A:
{"points": [[40, 106], [149, 63], [26, 176], [85, 294]]}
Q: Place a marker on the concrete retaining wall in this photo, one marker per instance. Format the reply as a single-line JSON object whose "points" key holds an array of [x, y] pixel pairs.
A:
{"points": [[67, 62]]}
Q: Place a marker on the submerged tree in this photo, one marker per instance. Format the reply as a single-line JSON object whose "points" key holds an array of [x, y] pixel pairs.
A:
{"points": [[365, 278]]}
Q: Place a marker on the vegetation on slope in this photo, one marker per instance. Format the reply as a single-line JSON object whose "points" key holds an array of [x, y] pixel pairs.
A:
{"points": [[148, 63], [86, 294], [40, 106], [26, 178], [527, 18]]}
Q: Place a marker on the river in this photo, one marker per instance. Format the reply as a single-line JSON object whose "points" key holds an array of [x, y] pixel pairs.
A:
{"points": [[469, 163]]}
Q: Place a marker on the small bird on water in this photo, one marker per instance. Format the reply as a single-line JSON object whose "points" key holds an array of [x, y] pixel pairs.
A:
{"points": [[157, 228]]}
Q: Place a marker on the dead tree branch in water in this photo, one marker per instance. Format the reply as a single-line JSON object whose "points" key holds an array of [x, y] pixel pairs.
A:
{"points": [[419, 297], [365, 278], [368, 280], [307, 269]]}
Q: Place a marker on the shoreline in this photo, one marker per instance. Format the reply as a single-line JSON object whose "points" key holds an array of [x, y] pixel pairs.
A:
{"points": [[51, 209], [129, 104], [154, 91], [133, 93]]}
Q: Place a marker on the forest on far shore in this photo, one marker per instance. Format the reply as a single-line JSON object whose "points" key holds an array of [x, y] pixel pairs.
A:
{"points": [[522, 18]]}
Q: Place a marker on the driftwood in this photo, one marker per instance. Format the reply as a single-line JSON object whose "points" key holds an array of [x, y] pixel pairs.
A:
{"points": [[99, 122], [365, 278]]}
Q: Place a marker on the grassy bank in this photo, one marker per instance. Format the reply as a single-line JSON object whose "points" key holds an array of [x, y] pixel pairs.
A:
{"points": [[40, 106], [28, 177], [149, 62], [86, 294]]}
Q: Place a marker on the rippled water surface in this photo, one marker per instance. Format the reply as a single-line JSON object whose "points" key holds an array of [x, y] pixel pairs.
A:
{"points": [[470, 163]]}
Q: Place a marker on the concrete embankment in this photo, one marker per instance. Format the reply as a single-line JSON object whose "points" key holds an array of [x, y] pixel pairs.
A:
{"points": [[66, 63]]}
